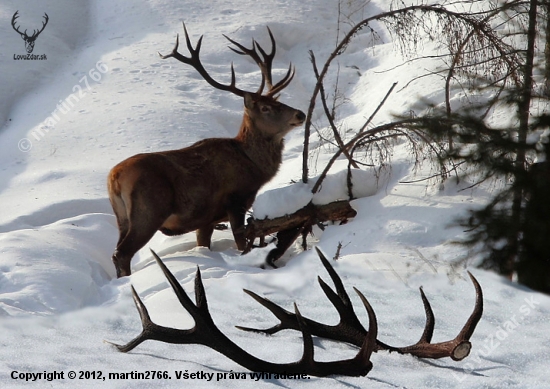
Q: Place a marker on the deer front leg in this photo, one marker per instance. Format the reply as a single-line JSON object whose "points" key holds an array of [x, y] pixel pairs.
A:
{"points": [[204, 235], [285, 239], [236, 220]]}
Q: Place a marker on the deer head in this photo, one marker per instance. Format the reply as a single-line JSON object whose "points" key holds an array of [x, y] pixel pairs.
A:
{"points": [[29, 40]]}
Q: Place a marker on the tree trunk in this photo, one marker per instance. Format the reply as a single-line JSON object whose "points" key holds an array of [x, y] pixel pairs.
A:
{"points": [[524, 105], [546, 5]]}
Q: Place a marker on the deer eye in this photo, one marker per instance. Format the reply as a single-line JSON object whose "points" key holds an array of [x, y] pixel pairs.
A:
{"points": [[265, 109]]}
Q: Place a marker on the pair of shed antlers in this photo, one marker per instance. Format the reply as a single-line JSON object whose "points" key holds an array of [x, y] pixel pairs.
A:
{"points": [[348, 330]]}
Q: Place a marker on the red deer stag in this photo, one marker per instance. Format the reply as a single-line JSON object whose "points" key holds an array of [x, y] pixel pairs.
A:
{"points": [[214, 180]]}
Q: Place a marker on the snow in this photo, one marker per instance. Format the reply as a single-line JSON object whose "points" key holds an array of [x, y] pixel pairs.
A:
{"points": [[59, 298]]}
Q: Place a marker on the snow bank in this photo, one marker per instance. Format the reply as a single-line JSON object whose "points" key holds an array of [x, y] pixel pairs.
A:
{"points": [[59, 267], [286, 200]]}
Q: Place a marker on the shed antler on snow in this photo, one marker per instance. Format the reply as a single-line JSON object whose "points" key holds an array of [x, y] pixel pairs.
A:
{"points": [[349, 330], [206, 333]]}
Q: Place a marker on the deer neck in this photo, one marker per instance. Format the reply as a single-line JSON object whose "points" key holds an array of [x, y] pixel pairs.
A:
{"points": [[265, 151]]}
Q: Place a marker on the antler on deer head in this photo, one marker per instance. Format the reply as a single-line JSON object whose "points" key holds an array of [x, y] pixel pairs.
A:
{"points": [[206, 333], [264, 63], [29, 40]]}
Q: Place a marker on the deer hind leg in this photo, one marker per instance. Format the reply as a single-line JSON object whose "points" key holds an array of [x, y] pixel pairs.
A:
{"points": [[121, 216], [139, 233], [137, 227]]}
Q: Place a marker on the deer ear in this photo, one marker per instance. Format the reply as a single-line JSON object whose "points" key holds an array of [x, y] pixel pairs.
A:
{"points": [[248, 100]]}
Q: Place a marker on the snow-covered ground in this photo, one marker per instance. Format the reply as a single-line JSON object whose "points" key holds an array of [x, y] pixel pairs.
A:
{"points": [[103, 94]]}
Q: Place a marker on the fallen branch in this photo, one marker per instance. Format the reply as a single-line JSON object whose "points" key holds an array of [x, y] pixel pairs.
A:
{"points": [[289, 227]]}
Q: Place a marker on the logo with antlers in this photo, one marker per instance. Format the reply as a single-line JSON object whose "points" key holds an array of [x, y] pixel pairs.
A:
{"points": [[29, 40]]}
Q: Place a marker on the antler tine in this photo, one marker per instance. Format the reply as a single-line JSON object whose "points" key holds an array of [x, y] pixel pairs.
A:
{"points": [[182, 296], [370, 343], [349, 329], [308, 352], [273, 46], [470, 326], [285, 81], [146, 323], [430, 319], [287, 319], [268, 59], [335, 278], [195, 62], [152, 331], [14, 18], [360, 365]]}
